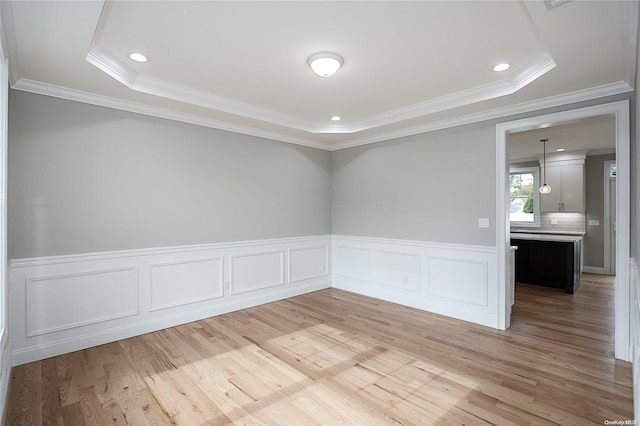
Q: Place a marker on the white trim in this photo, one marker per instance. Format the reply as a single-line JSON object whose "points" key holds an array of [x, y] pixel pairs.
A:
{"points": [[165, 113], [118, 254], [181, 302], [111, 65], [621, 112], [60, 333], [455, 280], [493, 114], [593, 270], [324, 271], [5, 333], [417, 243], [31, 310], [607, 216], [168, 114], [280, 280]]}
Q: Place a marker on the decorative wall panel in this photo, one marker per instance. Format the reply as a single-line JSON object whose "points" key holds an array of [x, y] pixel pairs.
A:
{"points": [[308, 263], [180, 283], [60, 302], [255, 271]]}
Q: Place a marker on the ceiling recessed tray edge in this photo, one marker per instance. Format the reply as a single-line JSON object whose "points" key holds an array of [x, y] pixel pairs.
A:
{"points": [[111, 65]]}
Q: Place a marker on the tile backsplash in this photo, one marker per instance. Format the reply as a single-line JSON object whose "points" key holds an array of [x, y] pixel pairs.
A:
{"points": [[557, 222]]}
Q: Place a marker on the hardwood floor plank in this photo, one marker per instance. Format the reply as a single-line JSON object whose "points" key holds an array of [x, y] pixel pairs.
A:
{"points": [[335, 358], [51, 401]]}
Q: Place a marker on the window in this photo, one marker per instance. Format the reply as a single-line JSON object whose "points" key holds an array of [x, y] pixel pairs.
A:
{"points": [[524, 198], [613, 170]]}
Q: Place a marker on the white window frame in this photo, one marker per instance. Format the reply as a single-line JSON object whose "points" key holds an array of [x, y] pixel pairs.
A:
{"points": [[536, 196]]}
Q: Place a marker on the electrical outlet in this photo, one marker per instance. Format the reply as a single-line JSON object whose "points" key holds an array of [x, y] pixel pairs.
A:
{"points": [[483, 222]]}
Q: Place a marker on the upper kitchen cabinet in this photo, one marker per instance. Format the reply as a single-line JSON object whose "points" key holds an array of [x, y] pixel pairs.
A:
{"points": [[565, 175]]}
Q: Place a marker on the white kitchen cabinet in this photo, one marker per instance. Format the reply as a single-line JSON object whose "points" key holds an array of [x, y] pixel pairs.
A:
{"points": [[566, 179]]}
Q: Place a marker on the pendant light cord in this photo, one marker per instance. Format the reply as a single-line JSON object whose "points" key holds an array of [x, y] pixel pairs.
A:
{"points": [[544, 158]]}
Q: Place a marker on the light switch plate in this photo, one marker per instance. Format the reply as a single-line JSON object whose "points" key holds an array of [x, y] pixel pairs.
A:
{"points": [[594, 222], [483, 222]]}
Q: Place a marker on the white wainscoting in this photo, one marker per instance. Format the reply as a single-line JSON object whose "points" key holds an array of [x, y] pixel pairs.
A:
{"points": [[459, 281], [61, 304]]}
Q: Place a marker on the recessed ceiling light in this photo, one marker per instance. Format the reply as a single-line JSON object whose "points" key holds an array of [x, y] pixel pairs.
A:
{"points": [[138, 57], [336, 118], [560, 149], [501, 67]]}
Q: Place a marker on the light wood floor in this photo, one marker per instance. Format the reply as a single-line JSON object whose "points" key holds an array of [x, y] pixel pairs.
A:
{"points": [[335, 358]]}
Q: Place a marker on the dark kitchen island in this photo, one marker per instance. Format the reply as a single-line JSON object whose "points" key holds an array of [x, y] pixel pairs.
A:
{"points": [[548, 259]]}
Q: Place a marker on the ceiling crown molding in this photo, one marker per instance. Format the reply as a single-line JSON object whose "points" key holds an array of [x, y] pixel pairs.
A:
{"points": [[108, 102], [612, 89], [115, 67], [169, 114]]}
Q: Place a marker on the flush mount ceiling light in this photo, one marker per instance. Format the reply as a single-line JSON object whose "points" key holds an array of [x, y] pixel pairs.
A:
{"points": [[336, 118], [138, 57], [501, 67], [325, 64], [544, 189]]}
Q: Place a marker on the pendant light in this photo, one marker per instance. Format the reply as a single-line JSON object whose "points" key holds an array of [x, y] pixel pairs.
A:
{"points": [[544, 189]]}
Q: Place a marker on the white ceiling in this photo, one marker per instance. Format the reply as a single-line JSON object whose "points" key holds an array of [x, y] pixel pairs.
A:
{"points": [[409, 67], [595, 135]]}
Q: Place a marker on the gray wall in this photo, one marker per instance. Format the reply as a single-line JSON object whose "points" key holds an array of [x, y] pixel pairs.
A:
{"points": [[594, 203], [86, 179], [430, 187]]}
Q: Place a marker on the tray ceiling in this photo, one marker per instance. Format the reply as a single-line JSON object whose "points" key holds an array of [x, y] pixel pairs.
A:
{"points": [[242, 66]]}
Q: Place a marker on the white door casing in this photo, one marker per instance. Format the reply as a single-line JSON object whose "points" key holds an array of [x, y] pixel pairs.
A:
{"points": [[620, 110]]}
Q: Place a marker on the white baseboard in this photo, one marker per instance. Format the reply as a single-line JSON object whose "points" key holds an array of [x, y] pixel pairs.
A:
{"points": [[459, 281], [593, 270], [5, 372], [61, 304]]}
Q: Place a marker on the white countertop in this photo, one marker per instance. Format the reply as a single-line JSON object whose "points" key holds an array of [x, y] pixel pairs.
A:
{"points": [[533, 231], [547, 237]]}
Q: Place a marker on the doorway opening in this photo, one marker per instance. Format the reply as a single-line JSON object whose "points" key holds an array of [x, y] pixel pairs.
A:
{"points": [[620, 111]]}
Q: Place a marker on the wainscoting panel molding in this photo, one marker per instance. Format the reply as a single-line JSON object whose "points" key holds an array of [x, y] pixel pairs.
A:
{"points": [[198, 280], [106, 295], [255, 271], [397, 269], [308, 263], [459, 281], [351, 261], [60, 304]]}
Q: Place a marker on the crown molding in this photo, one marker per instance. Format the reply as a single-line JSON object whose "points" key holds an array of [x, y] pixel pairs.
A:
{"points": [[498, 113], [111, 65], [538, 67], [109, 102]]}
